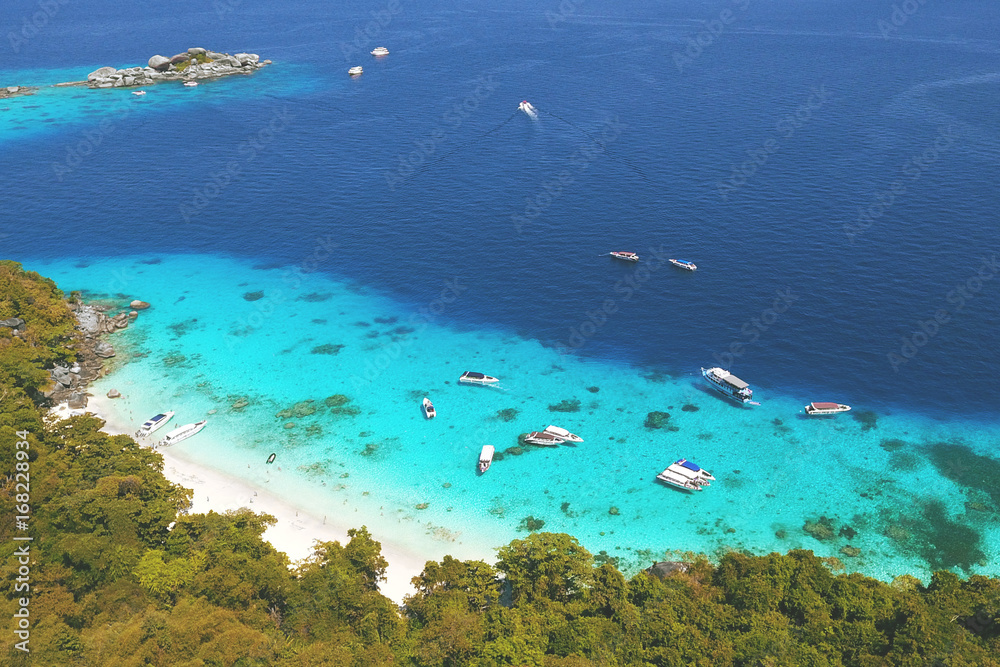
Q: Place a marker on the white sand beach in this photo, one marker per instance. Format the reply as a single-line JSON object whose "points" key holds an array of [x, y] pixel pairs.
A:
{"points": [[296, 530]]}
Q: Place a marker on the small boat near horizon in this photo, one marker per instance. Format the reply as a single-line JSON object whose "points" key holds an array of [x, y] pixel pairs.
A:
{"points": [[562, 433], [472, 377], [428, 408], [355, 71], [684, 264], [153, 423], [678, 481], [729, 385], [485, 458], [817, 409], [181, 433], [380, 51], [139, 92], [625, 255], [543, 439], [190, 84]]}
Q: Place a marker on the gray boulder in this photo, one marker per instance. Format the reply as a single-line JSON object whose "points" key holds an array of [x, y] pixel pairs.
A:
{"points": [[104, 350], [180, 58], [197, 51], [101, 73], [114, 393], [77, 400], [12, 323], [61, 375], [215, 55], [159, 63], [89, 320]]}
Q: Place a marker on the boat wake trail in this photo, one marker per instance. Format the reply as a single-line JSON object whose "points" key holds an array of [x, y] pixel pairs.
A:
{"points": [[630, 164]]}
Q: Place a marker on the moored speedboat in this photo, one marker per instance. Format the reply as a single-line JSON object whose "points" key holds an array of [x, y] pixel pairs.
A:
{"points": [[684, 264], [471, 377], [691, 471], [623, 254], [139, 92], [355, 71], [826, 408], [428, 409], [678, 481], [526, 107], [543, 439], [181, 433], [190, 84], [153, 423], [380, 51], [485, 458], [728, 384], [562, 433]]}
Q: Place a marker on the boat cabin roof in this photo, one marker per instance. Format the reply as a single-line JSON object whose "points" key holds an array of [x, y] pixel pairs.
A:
{"points": [[733, 380], [473, 374], [690, 466], [825, 406]]}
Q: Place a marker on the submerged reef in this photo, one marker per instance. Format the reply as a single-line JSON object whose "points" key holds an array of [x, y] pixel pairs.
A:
{"points": [[866, 418], [566, 405]]}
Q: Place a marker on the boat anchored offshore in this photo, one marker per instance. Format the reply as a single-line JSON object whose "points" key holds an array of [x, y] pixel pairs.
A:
{"points": [[678, 480], [826, 408], [728, 384], [471, 377], [562, 433], [140, 93], [684, 264], [543, 439], [190, 84], [485, 458], [181, 433], [428, 409], [355, 71], [692, 471], [153, 423], [627, 256], [380, 51]]}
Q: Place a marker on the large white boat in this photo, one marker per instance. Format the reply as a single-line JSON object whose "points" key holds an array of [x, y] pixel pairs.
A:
{"points": [[153, 423], [684, 264], [624, 254], [471, 377], [728, 384], [543, 439], [181, 433], [355, 71], [380, 51], [826, 408], [428, 409], [562, 433], [678, 481], [485, 458], [692, 471]]}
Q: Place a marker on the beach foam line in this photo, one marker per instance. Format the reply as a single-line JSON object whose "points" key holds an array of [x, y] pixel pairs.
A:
{"points": [[296, 530]]}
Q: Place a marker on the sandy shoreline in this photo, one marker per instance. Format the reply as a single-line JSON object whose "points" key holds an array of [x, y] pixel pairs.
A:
{"points": [[296, 530]]}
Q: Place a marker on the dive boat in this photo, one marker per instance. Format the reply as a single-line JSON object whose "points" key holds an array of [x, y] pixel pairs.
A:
{"points": [[485, 458], [471, 377], [181, 433], [692, 471], [684, 264], [190, 84], [826, 408], [730, 385], [678, 481], [627, 256], [562, 433], [380, 51], [543, 439], [153, 423], [428, 408], [354, 71]]}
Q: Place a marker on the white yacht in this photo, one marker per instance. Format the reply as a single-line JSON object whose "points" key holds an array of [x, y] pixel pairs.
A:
{"points": [[826, 408], [684, 264], [428, 409], [471, 377], [728, 384], [692, 471], [181, 433], [485, 458], [380, 51], [354, 71], [678, 481], [153, 423], [543, 439], [562, 433]]}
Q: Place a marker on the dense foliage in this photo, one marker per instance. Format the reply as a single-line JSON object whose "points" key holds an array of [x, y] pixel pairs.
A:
{"points": [[121, 576]]}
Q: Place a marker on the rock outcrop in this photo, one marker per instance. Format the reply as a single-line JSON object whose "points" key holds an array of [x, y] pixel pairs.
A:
{"points": [[193, 65], [138, 305], [14, 91]]}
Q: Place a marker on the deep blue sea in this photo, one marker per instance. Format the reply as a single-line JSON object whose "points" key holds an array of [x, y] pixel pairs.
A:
{"points": [[831, 168]]}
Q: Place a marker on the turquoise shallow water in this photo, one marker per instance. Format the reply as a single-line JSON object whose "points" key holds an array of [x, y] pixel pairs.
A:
{"points": [[911, 488]]}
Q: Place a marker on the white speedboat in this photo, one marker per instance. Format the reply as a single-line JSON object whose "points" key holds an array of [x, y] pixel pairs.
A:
{"points": [[678, 481], [562, 433], [181, 433], [471, 377], [526, 107], [139, 92], [485, 458], [826, 408], [190, 84], [354, 71], [380, 51], [153, 423], [692, 471], [428, 408], [543, 439], [728, 384], [684, 264], [623, 254]]}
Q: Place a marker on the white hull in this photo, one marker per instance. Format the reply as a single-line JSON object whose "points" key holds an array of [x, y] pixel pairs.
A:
{"points": [[428, 409], [562, 433], [485, 458], [478, 378], [813, 410], [678, 481], [181, 434], [687, 266], [543, 439], [154, 424]]}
